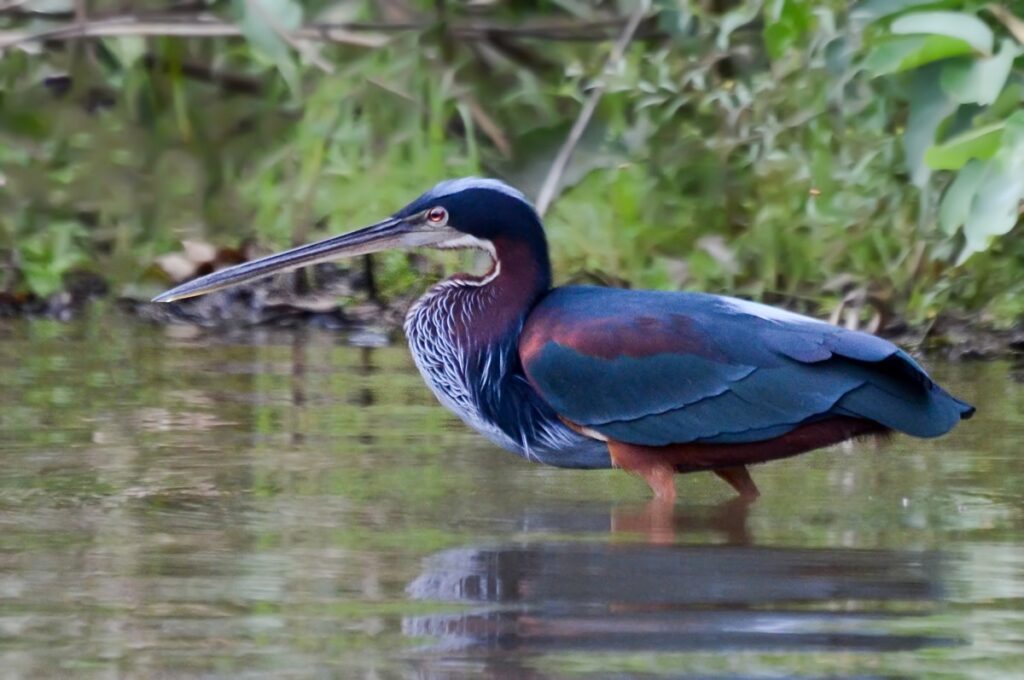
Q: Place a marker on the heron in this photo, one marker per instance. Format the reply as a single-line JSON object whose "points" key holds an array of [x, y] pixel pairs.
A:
{"points": [[655, 383]]}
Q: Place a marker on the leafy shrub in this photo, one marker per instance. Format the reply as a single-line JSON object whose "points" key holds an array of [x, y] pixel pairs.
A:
{"points": [[789, 150]]}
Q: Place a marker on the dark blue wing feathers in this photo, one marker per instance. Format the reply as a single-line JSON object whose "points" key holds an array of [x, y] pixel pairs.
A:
{"points": [[660, 368]]}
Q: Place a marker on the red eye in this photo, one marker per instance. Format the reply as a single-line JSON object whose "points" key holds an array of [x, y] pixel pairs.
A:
{"points": [[437, 215]]}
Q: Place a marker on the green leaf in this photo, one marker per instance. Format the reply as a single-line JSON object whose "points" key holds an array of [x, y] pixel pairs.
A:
{"points": [[929, 106], [1008, 101], [778, 38], [959, 25], [995, 209], [49, 254], [979, 81], [954, 153], [956, 204], [871, 10], [127, 49], [786, 22], [265, 24], [732, 20], [902, 53], [838, 56]]}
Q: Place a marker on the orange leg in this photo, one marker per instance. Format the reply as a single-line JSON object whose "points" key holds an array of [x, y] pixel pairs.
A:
{"points": [[651, 467], [656, 467], [738, 477]]}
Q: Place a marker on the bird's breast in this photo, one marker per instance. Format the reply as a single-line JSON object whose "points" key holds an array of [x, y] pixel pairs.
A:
{"points": [[476, 374], [436, 328]]}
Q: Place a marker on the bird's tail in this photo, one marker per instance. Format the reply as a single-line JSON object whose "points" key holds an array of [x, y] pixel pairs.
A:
{"points": [[966, 410]]}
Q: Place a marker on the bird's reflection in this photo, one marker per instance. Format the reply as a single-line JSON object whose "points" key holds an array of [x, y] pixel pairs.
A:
{"points": [[661, 522], [609, 594], [653, 522]]}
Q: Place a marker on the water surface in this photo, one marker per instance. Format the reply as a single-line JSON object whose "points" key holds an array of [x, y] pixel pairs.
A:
{"points": [[184, 503]]}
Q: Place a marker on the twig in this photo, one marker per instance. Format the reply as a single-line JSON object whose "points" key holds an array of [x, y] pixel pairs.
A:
{"points": [[554, 177], [81, 10], [391, 89], [1007, 18], [488, 125]]}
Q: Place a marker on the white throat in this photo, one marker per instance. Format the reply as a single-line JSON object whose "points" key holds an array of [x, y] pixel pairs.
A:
{"points": [[467, 241]]}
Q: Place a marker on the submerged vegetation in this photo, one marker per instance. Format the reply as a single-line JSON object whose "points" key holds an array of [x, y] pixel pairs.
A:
{"points": [[863, 161]]}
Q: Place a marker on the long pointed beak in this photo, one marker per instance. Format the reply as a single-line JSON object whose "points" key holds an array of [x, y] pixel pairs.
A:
{"points": [[393, 232]]}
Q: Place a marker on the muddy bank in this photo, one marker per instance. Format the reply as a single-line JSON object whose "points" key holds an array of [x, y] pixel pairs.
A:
{"points": [[343, 299], [329, 297], [959, 339]]}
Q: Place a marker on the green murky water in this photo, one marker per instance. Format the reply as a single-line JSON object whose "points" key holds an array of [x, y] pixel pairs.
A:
{"points": [[285, 505]]}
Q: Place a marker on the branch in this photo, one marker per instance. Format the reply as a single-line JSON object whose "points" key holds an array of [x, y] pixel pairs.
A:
{"points": [[597, 30], [126, 26], [488, 125], [359, 34], [1007, 18], [584, 31], [554, 176], [14, 10], [230, 82]]}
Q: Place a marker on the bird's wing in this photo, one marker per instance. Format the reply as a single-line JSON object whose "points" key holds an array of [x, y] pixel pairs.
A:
{"points": [[658, 368]]}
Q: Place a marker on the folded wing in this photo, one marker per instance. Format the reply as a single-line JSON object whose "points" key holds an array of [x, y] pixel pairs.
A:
{"points": [[657, 368]]}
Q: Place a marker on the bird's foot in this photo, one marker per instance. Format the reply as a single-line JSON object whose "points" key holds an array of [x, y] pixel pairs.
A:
{"points": [[739, 478]]}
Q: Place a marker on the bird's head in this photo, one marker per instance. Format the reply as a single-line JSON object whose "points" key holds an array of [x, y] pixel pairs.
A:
{"points": [[460, 213]]}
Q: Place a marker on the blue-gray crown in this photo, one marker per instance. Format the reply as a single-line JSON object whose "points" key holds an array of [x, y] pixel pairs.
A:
{"points": [[454, 186]]}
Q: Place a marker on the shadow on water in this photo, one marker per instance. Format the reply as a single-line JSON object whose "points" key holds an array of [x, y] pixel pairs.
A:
{"points": [[614, 593]]}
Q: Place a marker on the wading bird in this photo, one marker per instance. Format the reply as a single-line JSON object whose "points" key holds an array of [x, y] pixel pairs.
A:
{"points": [[655, 383]]}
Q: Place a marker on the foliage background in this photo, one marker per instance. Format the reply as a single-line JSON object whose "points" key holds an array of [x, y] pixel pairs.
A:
{"points": [[861, 158]]}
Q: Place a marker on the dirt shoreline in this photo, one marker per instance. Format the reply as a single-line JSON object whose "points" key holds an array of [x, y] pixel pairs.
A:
{"points": [[339, 305]]}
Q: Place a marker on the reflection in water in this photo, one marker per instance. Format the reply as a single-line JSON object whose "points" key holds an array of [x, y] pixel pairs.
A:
{"points": [[298, 387], [654, 522], [538, 597]]}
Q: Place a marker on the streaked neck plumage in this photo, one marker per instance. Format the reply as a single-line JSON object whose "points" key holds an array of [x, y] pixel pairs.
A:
{"points": [[464, 335]]}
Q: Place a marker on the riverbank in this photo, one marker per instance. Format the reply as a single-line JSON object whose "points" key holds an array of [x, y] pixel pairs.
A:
{"points": [[343, 302]]}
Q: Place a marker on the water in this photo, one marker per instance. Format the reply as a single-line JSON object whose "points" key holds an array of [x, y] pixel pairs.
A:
{"points": [[283, 505]]}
